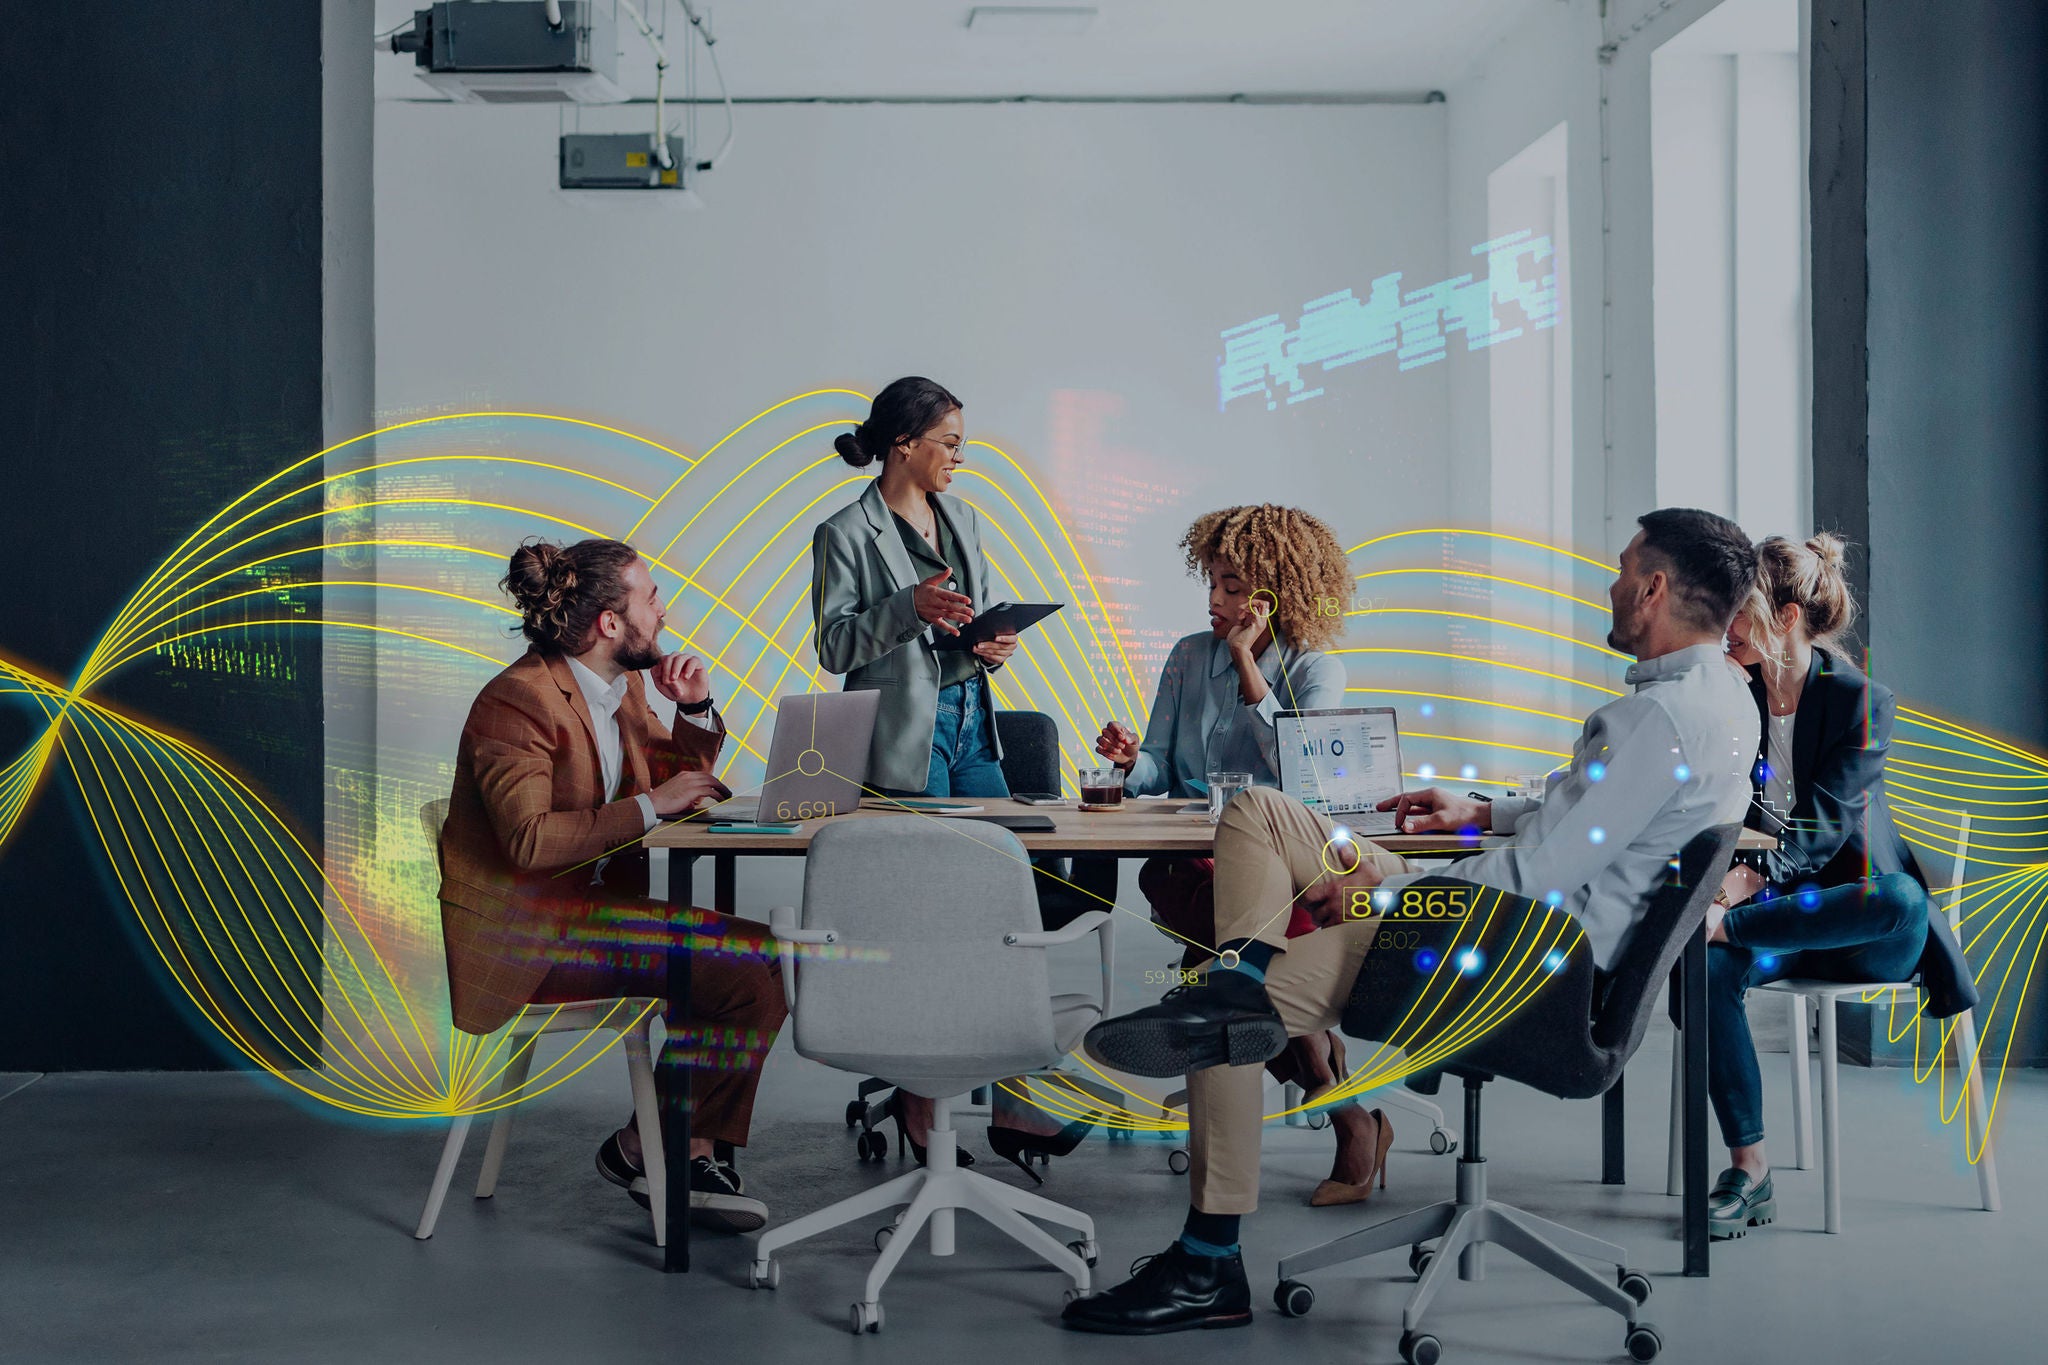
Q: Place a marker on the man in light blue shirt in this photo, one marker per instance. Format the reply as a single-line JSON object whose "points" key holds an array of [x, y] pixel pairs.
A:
{"points": [[1651, 770]]}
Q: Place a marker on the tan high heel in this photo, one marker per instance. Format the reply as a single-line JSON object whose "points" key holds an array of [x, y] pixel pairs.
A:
{"points": [[1332, 1192]]}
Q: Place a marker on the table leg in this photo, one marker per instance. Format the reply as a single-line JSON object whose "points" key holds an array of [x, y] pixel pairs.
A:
{"points": [[672, 1078], [725, 883], [1613, 1140], [1693, 1038]]}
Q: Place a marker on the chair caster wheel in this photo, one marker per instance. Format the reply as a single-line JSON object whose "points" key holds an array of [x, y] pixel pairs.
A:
{"points": [[1441, 1142], [765, 1274], [1086, 1250], [1072, 1294], [865, 1317], [1419, 1257], [1319, 1120], [882, 1236], [871, 1146], [1177, 1161], [1633, 1283], [1293, 1298], [1643, 1342], [1420, 1348], [855, 1111]]}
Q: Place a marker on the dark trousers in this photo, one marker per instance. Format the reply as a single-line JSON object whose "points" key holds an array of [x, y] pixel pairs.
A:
{"points": [[620, 948], [1869, 930]]}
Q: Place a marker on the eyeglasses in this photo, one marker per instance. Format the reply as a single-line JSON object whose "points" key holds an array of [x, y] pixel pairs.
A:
{"points": [[951, 447]]}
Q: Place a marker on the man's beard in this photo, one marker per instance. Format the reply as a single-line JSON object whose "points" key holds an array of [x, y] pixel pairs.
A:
{"points": [[1620, 637], [636, 654]]}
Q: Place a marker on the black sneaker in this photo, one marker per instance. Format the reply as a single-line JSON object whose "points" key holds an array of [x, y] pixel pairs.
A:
{"points": [[1738, 1203], [1174, 1291], [1226, 1021], [717, 1201], [613, 1165]]}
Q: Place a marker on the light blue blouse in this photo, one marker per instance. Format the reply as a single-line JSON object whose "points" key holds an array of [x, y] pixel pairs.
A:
{"points": [[1200, 723]]}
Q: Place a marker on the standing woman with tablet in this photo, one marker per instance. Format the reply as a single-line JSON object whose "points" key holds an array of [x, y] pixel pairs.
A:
{"points": [[894, 572]]}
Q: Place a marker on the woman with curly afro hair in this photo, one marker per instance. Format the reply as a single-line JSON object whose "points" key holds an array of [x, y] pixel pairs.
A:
{"points": [[1279, 586]]}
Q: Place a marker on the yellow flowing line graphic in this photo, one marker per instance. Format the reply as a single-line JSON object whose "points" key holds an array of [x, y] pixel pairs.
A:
{"points": [[301, 965]]}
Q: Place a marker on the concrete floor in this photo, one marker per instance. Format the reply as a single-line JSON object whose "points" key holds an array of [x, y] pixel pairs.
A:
{"points": [[160, 1217]]}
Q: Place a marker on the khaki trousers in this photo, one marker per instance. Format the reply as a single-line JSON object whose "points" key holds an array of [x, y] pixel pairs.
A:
{"points": [[1268, 848]]}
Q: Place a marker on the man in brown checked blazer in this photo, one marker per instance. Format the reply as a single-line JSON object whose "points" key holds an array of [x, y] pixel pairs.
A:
{"points": [[563, 766]]}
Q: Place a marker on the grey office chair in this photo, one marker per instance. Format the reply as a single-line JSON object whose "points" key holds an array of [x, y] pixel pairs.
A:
{"points": [[918, 958], [1572, 1038], [1031, 763]]}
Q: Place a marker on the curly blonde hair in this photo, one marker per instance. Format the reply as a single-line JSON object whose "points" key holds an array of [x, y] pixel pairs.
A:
{"points": [[1286, 552]]}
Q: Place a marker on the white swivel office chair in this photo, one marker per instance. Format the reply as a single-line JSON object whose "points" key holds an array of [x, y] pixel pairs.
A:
{"points": [[917, 960], [1803, 996], [631, 1019]]}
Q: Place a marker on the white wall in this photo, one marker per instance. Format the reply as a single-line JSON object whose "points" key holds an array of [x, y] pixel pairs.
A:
{"points": [[1731, 321], [1068, 270]]}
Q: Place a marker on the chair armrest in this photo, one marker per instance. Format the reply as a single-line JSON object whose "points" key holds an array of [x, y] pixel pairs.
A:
{"points": [[782, 922], [1076, 929], [1095, 922]]}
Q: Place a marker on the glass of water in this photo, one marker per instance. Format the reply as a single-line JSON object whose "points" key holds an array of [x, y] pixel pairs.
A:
{"points": [[1222, 787]]}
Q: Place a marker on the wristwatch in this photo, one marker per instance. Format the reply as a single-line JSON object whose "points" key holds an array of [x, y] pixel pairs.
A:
{"points": [[695, 708]]}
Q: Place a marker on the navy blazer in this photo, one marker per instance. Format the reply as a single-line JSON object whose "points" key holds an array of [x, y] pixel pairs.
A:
{"points": [[1840, 829]]}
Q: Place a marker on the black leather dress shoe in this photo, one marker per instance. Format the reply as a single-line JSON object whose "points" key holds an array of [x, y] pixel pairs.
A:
{"points": [[1226, 1021], [1175, 1291]]}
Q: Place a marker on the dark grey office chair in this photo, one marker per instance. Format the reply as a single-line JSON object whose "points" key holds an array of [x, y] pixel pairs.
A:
{"points": [[1067, 887], [1571, 1038]]}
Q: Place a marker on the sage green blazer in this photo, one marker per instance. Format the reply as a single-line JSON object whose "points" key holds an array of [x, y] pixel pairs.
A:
{"points": [[862, 585]]}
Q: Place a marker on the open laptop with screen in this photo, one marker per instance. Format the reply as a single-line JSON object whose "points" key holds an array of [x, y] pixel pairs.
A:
{"points": [[1342, 762], [817, 760]]}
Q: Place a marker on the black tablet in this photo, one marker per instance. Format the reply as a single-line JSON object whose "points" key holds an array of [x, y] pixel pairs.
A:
{"points": [[1004, 618]]}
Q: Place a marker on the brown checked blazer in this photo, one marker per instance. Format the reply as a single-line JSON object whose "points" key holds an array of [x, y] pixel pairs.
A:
{"points": [[527, 822]]}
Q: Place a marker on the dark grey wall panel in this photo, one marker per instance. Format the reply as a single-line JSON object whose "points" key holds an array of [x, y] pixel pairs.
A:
{"points": [[1958, 429], [160, 312]]}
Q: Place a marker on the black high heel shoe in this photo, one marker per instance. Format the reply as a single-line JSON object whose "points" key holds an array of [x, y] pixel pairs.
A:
{"points": [[892, 1108]]}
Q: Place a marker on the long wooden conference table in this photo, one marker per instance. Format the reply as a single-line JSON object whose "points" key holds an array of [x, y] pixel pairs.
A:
{"points": [[1141, 828]]}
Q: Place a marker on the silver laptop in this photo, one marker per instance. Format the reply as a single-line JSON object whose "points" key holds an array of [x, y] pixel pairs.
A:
{"points": [[817, 761], [1342, 762]]}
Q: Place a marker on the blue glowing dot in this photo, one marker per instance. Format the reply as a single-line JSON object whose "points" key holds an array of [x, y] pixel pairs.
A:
{"points": [[1470, 961], [1340, 835], [1425, 772], [1597, 835], [1595, 771], [1681, 772], [1553, 899], [1427, 709], [1469, 771], [1767, 962], [1425, 960], [1553, 960], [1763, 771], [1809, 898], [1382, 899]]}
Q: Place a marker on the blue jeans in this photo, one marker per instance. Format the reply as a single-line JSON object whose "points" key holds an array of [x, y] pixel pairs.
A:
{"points": [[963, 758], [1869, 930]]}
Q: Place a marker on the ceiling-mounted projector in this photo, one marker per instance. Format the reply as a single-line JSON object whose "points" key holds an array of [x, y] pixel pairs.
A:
{"points": [[620, 161], [516, 51]]}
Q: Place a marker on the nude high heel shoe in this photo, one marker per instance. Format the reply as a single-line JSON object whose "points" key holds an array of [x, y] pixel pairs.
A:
{"points": [[1332, 1192]]}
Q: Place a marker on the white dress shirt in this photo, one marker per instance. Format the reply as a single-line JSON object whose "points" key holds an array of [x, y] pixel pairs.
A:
{"points": [[603, 700], [1650, 770]]}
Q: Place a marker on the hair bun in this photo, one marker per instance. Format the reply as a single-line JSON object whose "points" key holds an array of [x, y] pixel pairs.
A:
{"points": [[851, 450], [1830, 548]]}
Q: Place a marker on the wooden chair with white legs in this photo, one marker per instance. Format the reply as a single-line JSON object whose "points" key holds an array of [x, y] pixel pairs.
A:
{"points": [[632, 1019], [1802, 996]]}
